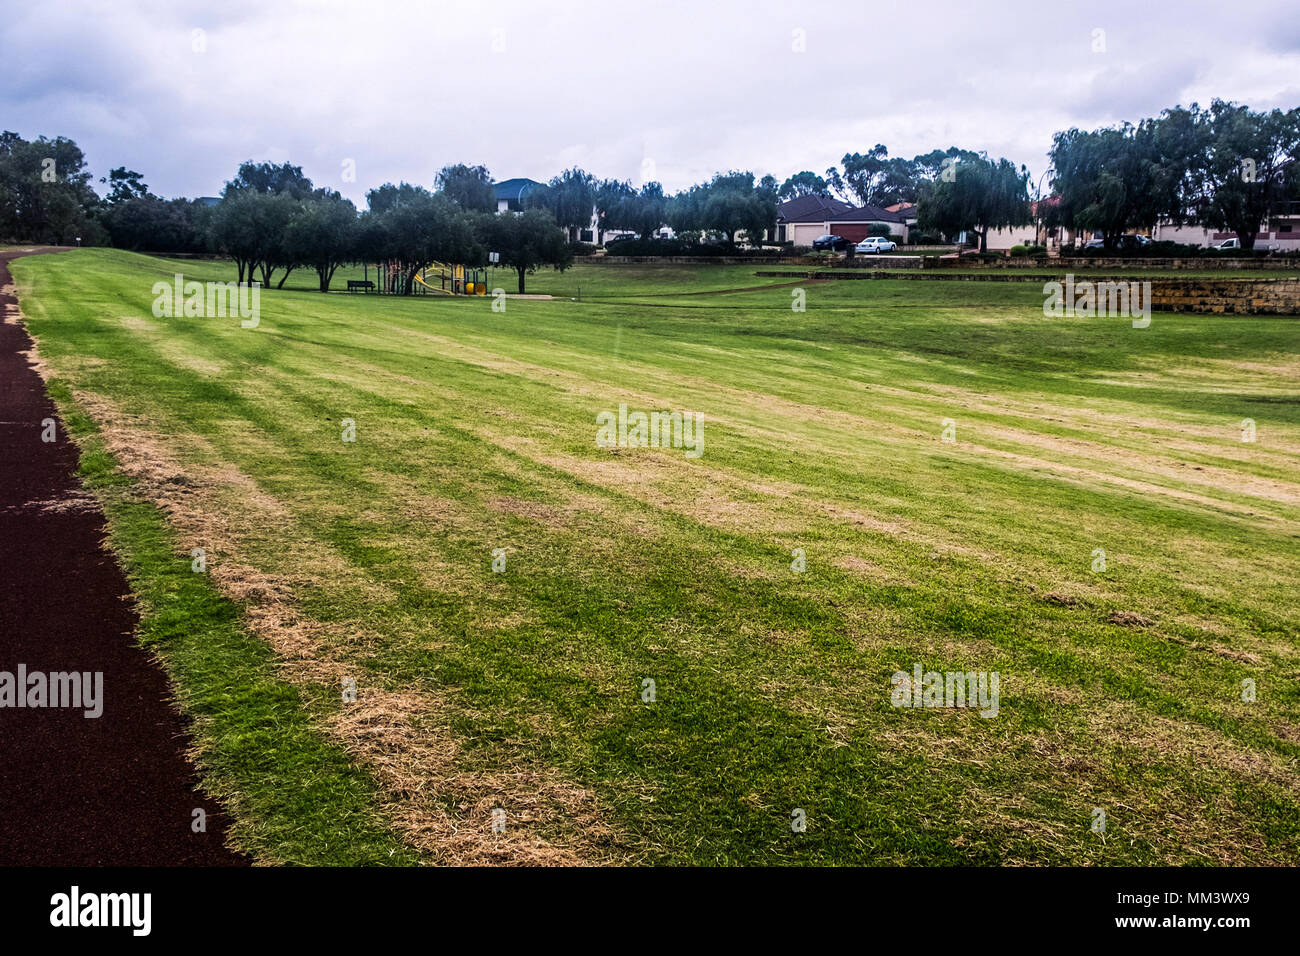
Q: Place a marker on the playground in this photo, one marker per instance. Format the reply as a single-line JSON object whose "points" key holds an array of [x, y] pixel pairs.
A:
{"points": [[391, 278]]}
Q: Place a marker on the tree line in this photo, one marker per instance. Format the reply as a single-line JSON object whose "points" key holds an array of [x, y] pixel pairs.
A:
{"points": [[1226, 167]]}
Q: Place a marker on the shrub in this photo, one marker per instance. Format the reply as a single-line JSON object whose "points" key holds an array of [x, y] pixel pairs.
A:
{"points": [[683, 247]]}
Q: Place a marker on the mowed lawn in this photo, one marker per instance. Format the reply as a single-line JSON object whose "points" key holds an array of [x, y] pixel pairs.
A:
{"points": [[526, 691]]}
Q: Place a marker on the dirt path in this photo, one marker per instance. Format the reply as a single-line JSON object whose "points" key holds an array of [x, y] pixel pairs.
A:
{"points": [[116, 789]]}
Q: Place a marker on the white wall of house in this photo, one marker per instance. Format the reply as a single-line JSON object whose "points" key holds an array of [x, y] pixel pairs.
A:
{"points": [[1000, 240], [1274, 235]]}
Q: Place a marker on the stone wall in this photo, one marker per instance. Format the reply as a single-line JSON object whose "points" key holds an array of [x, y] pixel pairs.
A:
{"points": [[1231, 296]]}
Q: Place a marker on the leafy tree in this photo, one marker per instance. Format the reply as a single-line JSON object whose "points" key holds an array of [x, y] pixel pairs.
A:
{"points": [[729, 204], [270, 178], [613, 197], [570, 197], [124, 184], [252, 227], [149, 224], [861, 173], [45, 193], [527, 241], [470, 186], [1111, 180], [418, 230], [1250, 167], [387, 196], [981, 195], [873, 178], [641, 211], [803, 184], [323, 235], [232, 230]]}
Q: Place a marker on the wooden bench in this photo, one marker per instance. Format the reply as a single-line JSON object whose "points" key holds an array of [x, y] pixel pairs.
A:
{"points": [[365, 285]]}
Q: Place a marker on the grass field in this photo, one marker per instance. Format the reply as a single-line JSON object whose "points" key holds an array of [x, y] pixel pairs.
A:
{"points": [[372, 561]]}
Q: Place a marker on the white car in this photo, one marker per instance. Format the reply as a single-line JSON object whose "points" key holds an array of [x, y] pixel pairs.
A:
{"points": [[876, 244]]}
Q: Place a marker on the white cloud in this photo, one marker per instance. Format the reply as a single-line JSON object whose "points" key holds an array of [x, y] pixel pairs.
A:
{"points": [[404, 88]]}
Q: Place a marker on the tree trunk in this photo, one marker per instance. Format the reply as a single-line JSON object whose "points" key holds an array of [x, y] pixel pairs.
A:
{"points": [[521, 270], [287, 270]]}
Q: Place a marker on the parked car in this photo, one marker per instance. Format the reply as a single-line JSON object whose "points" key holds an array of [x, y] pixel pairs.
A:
{"points": [[1126, 242], [1229, 244], [877, 244], [834, 243]]}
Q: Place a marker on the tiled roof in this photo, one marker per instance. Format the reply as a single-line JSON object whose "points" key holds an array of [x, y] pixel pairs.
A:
{"points": [[866, 214], [513, 188], [810, 209]]}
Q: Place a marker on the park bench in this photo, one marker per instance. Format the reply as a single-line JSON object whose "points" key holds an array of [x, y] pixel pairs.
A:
{"points": [[365, 285]]}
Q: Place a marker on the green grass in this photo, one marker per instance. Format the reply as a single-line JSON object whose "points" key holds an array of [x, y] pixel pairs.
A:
{"points": [[476, 431]]}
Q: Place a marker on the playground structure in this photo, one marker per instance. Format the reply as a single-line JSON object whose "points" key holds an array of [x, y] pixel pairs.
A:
{"points": [[438, 277]]}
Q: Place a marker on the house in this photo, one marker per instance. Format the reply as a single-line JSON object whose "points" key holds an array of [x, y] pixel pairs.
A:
{"points": [[1037, 233], [1280, 232], [510, 194], [907, 212], [855, 224], [799, 221]]}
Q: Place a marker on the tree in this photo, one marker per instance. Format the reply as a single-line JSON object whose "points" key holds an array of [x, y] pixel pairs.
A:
{"points": [[981, 195], [803, 184], [323, 235], [252, 227], [641, 211], [470, 186], [124, 184], [1112, 180], [873, 178], [613, 197], [270, 178], [233, 230], [1250, 166], [570, 197], [861, 173], [45, 193], [729, 204], [526, 241], [385, 197], [417, 231], [149, 224]]}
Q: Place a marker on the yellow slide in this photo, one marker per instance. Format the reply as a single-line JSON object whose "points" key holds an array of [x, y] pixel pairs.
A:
{"points": [[431, 288]]}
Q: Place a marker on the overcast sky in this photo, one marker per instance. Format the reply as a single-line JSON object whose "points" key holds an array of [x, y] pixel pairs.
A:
{"points": [[183, 92]]}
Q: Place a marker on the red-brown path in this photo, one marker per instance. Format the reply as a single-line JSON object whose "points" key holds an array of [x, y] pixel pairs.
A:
{"points": [[116, 790]]}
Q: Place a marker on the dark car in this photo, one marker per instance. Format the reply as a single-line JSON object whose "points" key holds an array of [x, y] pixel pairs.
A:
{"points": [[1125, 243], [834, 243]]}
